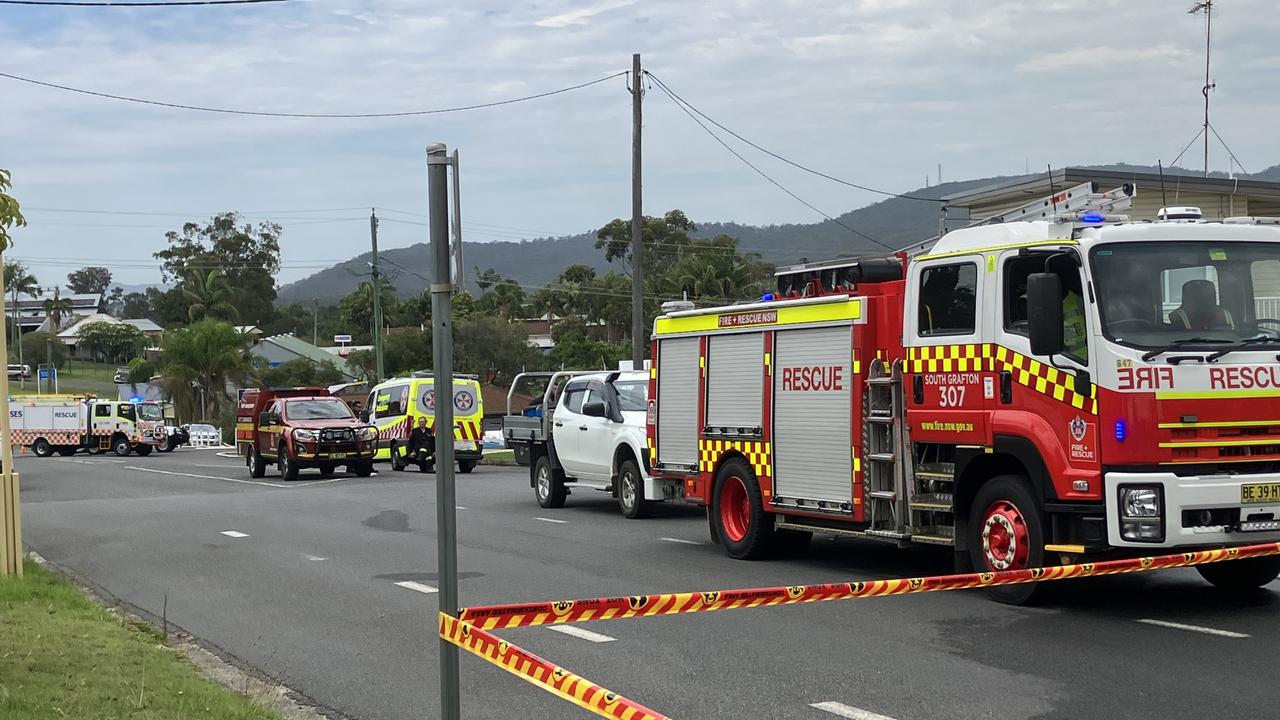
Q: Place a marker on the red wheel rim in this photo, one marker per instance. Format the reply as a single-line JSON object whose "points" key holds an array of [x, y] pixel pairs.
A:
{"points": [[735, 508], [1006, 543]]}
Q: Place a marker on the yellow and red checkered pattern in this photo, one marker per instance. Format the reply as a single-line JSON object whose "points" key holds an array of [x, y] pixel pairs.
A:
{"points": [[1026, 371], [756, 451]]}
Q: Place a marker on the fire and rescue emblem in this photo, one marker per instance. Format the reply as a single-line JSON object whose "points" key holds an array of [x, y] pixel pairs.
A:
{"points": [[637, 601], [1078, 429], [709, 598], [986, 577], [795, 591], [562, 607]]}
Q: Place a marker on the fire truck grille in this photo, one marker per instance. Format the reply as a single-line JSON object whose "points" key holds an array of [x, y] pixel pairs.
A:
{"points": [[342, 435]]}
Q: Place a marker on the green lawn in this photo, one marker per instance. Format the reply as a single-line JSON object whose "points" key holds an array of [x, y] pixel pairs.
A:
{"points": [[62, 656], [84, 370]]}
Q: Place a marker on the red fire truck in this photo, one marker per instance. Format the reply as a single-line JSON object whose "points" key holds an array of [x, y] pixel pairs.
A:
{"points": [[298, 428], [1052, 385]]}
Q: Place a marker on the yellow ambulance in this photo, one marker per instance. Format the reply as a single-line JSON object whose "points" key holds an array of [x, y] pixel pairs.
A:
{"points": [[395, 406]]}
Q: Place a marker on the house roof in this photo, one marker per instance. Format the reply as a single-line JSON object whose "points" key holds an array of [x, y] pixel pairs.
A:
{"points": [[73, 332], [249, 330], [302, 348], [143, 324], [79, 301]]}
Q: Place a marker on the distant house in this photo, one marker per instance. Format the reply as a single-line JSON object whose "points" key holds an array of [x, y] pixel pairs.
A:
{"points": [[253, 331], [31, 315], [277, 350], [70, 336]]}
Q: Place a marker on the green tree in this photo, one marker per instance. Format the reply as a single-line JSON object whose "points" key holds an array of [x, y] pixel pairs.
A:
{"points": [[141, 370], [10, 211], [166, 307], [18, 281], [200, 361], [575, 349], [661, 239], [500, 296], [492, 348], [713, 272], [365, 361], [301, 372], [56, 308], [247, 256], [111, 341], [209, 295], [114, 302], [91, 279], [356, 311], [38, 346], [407, 351]]}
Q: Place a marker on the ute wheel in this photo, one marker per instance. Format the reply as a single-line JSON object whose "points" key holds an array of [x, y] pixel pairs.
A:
{"points": [[631, 492], [42, 448], [327, 469], [121, 447], [745, 529], [466, 466], [257, 466], [364, 469], [1005, 533], [142, 450], [397, 463], [288, 467], [547, 487], [1241, 576]]}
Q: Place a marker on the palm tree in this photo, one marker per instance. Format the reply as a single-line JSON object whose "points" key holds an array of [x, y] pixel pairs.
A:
{"points": [[55, 308], [19, 281], [210, 296]]}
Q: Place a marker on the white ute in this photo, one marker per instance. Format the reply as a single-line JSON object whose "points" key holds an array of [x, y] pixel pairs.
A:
{"points": [[586, 430]]}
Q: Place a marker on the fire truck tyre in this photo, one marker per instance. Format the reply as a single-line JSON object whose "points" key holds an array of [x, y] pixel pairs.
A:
{"points": [[257, 466], [142, 450], [1006, 534], [547, 487], [121, 447], [288, 466], [1241, 575], [466, 466], [42, 448], [397, 463], [631, 492], [745, 529], [364, 469]]}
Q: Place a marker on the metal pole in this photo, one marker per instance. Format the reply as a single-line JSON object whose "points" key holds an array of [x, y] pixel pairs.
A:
{"points": [[377, 296], [442, 355], [315, 321], [637, 220], [1208, 37], [459, 275], [48, 352]]}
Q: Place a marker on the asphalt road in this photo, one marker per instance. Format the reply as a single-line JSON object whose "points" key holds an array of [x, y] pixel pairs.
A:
{"points": [[305, 589]]}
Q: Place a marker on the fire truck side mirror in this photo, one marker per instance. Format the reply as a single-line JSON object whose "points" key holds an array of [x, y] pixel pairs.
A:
{"points": [[1044, 313]]}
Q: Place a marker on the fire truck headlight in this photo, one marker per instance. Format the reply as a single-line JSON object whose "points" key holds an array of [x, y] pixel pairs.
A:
{"points": [[1141, 513], [306, 435]]}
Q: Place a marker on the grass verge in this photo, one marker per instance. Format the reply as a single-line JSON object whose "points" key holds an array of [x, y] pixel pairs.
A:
{"points": [[62, 656], [499, 457]]}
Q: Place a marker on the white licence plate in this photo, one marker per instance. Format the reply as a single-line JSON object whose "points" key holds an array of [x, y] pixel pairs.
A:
{"points": [[463, 445]]}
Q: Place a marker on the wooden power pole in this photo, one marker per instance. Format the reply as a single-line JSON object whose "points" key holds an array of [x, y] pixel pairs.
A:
{"points": [[638, 334]]}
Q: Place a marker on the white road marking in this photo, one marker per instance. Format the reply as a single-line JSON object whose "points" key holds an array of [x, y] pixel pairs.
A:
{"points": [[552, 520], [1193, 628], [234, 533], [581, 634], [846, 711], [314, 558], [459, 507], [682, 542], [206, 477], [417, 586]]}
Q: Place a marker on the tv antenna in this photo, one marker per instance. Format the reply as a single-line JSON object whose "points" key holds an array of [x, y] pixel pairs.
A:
{"points": [[1206, 6]]}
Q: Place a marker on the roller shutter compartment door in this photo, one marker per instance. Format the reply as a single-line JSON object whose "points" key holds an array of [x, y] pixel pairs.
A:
{"points": [[735, 384], [812, 382], [678, 401]]}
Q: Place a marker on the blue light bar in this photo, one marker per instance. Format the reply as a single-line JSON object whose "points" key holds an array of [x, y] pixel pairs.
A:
{"points": [[1121, 431], [767, 297], [1092, 217]]}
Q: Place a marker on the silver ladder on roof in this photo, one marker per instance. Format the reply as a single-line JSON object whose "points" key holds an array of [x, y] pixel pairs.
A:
{"points": [[887, 456]]}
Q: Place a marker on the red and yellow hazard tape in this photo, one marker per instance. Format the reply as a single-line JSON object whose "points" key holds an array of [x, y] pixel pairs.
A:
{"points": [[531, 668], [571, 611]]}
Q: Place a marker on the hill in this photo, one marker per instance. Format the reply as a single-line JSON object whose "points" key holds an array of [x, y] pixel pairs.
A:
{"points": [[895, 222]]}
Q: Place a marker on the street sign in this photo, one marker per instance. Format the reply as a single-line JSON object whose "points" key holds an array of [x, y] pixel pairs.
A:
{"points": [[340, 339], [44, 373]]}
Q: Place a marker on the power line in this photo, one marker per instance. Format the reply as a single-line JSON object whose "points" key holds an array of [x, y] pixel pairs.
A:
{"points": [[173, 3], [260, 113], [775, 155], [761, 173]]}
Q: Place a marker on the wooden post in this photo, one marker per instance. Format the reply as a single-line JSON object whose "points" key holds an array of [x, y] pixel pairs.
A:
{"points": [[10, 513]]}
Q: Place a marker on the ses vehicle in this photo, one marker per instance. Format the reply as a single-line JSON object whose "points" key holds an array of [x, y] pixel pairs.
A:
{"points": [[395, 406], [67, 423], [1055, 385], [587, 430], [299, 428]]}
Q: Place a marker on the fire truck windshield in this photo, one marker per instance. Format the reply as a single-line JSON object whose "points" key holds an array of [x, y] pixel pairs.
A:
{"points": [[317, 409], [1183, 294], [150, 412]]}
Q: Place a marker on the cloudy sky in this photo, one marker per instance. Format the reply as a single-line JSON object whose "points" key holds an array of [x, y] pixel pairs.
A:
{"points": [[875, 91]]}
